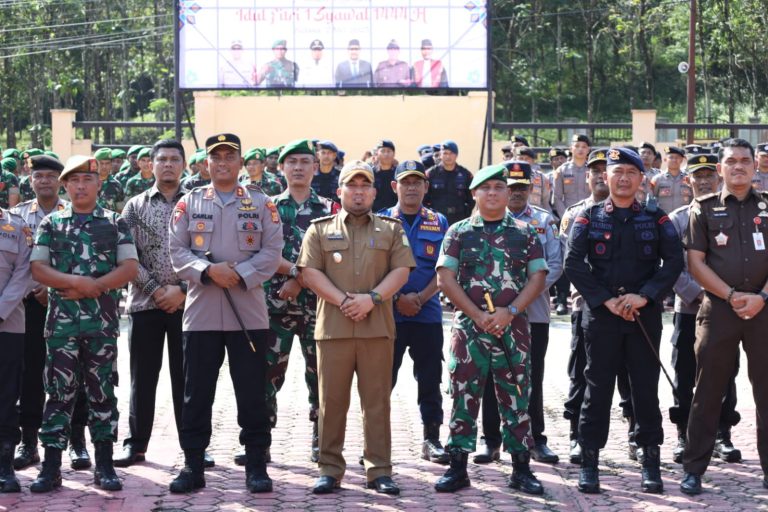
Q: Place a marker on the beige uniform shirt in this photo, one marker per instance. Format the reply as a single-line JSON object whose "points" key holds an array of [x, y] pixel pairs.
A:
{"points": [[671, 192], [32, 214], [760, 181], [356, 254], [246, 231], [15, 246], [570, 186]]}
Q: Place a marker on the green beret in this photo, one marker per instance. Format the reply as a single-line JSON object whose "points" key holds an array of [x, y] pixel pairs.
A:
{"points": [[103, 154], [280, 42], [145, 152], [51, 153], [492, 172], [296, 147], [126, 165], [11, 153], [254, 154], [118, 153], [134, 149], [272, 151], [31, 152], [8, 164]]}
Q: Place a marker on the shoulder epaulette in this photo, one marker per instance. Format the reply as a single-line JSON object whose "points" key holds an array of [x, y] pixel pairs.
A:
{"points": [[322, 219], [709, 196], [387, 217]]}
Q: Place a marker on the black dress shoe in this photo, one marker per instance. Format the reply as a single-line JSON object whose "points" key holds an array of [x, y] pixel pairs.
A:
{"points": [[691, 484], [489, 454], [384, 485], [542, 453], [26, 455], [326, 485], [208, 461], [575, 454], [129, 456]]}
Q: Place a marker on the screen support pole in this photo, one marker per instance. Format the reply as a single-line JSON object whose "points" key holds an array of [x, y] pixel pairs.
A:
{"points": [[489, 82], [177, 106]]}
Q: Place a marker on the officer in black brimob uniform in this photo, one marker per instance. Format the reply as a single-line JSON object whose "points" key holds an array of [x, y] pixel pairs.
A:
{"points": [[614, 259], [449, 191]]}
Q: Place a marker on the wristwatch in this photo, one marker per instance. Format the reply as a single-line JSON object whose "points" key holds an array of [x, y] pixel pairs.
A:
{"points": [[396, 297], [513, 310], [764, 295], [293, 272], [376, 298]]}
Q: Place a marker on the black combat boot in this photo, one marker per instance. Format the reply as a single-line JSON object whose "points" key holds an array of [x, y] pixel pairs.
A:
{"points": [[575, 453], [724, 447], [677, 452], [631, 444], [432, 450], [522, 477], [315, 456], [8, 480], [50, 476], [650, 458], [26, 452], [256, 477], [589, 476], [456, 477], [192, 476], [78, 453], [104, 474]]}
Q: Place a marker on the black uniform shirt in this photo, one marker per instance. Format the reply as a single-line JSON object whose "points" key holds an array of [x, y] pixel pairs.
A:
{"points": [[449, 192], [612, 248]]}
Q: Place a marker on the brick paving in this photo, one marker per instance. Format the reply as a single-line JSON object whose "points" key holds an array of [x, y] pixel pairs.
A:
{"points": [[728, 487]]}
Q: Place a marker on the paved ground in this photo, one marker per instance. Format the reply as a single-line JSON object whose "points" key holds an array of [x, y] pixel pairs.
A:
{"points": [[729, 487]]}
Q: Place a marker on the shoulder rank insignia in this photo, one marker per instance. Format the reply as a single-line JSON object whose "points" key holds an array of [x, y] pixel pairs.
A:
{"points": [[322, 219]]}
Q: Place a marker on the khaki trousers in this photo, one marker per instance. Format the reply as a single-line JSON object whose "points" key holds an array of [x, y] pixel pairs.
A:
{"points": [[337, 361]]}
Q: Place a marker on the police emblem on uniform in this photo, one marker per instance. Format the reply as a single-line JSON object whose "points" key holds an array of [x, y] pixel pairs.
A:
{"points": [[246, 204], [429, 249], [614, 154], [8, 228], [249, 240], [200, 226], [199, 240], [181, 208]]}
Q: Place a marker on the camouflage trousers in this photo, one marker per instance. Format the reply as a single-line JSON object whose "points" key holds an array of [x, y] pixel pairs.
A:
{"points": [[95, 360], [282, 329], [472, 356]]}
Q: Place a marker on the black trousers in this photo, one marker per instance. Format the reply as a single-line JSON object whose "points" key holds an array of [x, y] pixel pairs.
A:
{"points": [[146, 340], [684, 363], [577, 361], [491, 420], [612, 343], [32, 399], [425, 346], [203, 356], [11, 368]]}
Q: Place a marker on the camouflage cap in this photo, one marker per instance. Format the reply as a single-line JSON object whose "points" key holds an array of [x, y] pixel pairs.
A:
{"points": [[118, 153], [296, 147], [699, 162], [355, 168], [103, 154], [44, 163], [79, 163], [491, 172]]}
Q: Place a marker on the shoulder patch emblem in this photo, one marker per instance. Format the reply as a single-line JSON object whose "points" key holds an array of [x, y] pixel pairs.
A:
{"points": [[273, 210]]}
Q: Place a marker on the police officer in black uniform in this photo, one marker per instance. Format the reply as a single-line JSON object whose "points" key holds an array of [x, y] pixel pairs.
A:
{"points": [[384, 175], [614, 259], [449, 191]]}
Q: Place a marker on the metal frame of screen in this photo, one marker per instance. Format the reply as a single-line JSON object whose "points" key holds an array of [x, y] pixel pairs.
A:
{"points": [[483, 6]]}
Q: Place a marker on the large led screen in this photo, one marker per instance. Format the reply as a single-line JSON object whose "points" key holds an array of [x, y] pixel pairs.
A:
{"points": [[328, 44]]}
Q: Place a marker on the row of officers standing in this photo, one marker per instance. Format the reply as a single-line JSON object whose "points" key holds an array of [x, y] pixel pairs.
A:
{"points": [[225, 269]]}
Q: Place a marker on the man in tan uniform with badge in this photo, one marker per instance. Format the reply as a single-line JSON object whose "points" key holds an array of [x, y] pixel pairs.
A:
{"points": [[225, 241], [355, 261]]}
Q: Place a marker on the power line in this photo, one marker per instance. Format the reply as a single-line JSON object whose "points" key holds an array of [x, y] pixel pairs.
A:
{"points": [[81, 23], [107, 43]]}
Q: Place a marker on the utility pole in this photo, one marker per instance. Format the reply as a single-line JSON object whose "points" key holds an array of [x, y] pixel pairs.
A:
{"points": [[691, 71]]}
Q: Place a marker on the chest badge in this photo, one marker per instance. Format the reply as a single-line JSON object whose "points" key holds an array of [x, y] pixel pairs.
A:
{"points": [[337, 257], [246, 205], [8, 227], [199, 240], [721, 239], [761, 205]]}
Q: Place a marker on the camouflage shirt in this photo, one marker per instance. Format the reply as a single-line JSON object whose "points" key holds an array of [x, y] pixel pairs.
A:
{"points": [[111, 196], [281, 73], [9, 184], [499, 261], [90, 245], [25, 189], [193, 182], [123, 176], [269, 183], [137, 185], [296, 219]]}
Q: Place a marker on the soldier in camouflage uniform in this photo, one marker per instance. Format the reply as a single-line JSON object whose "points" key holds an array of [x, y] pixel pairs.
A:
{"points": [[9, 183], [490, 259], [111, 196], [279, 72], [201, 176], [144, 179], [291, 305], [130, 167], [118, 157], [84, 255], [254, 165]]}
